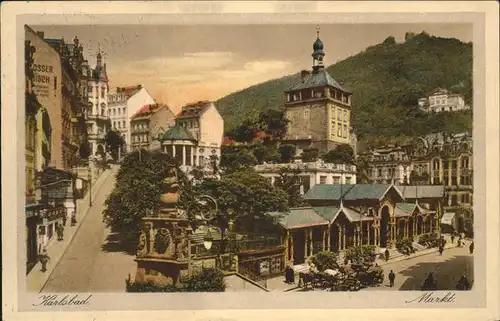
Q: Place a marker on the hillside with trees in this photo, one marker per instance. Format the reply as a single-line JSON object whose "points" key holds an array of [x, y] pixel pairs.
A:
{"points": [[386, 81]]}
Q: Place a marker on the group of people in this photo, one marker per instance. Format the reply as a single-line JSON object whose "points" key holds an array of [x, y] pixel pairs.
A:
{"points": [[43, 256]]}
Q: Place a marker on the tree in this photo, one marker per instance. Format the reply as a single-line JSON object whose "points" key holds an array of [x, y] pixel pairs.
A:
{"points": [[235, 159], [136, 193], [343, 154], [245, 132], [309, 155], [287, 153], [274, 123], [289, 182], [266, 153], [246, 193], [362, 168], [114, 141]]}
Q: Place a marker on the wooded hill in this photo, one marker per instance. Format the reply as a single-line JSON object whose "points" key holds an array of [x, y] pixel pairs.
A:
{"points": [[386, 81]]}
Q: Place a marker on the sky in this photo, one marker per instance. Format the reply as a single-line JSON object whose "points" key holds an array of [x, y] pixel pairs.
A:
{"points": [[179, 64]]}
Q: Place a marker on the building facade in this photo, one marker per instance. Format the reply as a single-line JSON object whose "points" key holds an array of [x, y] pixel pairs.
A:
{"points": [[389, 164], [97, 118], [148, 123], [311, 173], [196, 138], [318, 109], [447, 160], [441, 100], [123, 103]]}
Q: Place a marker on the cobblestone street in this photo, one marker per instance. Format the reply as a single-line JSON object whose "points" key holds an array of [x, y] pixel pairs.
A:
{"points": [[447, 269], [88, 265]]}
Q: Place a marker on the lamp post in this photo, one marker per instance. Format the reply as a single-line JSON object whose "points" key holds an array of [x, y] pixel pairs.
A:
{"points": [[90, 185]]}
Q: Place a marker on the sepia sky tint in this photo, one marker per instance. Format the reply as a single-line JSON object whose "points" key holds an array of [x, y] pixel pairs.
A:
{"points": [[180, 64]]}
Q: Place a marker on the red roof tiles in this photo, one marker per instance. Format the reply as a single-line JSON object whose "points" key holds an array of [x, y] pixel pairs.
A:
{"points": [[147, 109], [193, 109]]}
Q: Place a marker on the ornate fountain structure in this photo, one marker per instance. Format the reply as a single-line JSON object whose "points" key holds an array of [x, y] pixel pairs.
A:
{"points": [[163, 251]]}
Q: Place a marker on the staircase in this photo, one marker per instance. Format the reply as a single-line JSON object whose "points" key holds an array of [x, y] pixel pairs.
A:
{"points": [[418, 247]]}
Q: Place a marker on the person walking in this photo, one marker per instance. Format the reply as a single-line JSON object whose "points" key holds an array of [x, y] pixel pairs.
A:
{"points": [[453, 238], [44, 258], [441, 249], [392, 277], [471, 247], [386, 253], [58, 232], [65, 219], [73, 218]]}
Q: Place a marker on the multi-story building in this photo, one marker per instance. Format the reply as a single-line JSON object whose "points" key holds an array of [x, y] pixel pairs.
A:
{"points": [[441, 100], [389, 164], [440, 159], [318, 109], [123, 103], [97, 119], [196, 138], [148, 123], [310, 173]]}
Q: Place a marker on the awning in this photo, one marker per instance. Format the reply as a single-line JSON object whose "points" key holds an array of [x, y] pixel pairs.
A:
{"points": [[447, 218]]}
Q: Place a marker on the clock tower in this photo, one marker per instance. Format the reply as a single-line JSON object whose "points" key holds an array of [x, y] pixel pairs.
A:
{"points": [[318, 108]]}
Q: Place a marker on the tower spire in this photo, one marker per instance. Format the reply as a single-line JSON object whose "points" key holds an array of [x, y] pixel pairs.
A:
{"points": [[318, 53]]}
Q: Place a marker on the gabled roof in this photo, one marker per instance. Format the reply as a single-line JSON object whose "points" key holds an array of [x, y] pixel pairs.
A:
{"points": [[194, 109], [148, 109], [299, 218], [327, 212], [129, 90], [177, 132], [407, 209], [353, 215], [349, 192], [422, 191], [318, 79]]}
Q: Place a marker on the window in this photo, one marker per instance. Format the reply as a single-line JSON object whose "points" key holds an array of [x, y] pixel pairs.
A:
{"points": [[322, 179], [201, 161], [453, 199], [465, 162], [195, 124], [345, 116], [453, 164], [339, 114], [436, 164], [339, 130], [345, 131], [89, 89], [123, 124], [102, 92], [123, 110], [380, 172], [453, 180], [336, 180], [188, 155], [348, 180], [445, 164]]}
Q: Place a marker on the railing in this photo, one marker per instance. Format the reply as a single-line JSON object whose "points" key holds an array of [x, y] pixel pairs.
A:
{"points": [[307, 166], [237, 246], [260, 280]]}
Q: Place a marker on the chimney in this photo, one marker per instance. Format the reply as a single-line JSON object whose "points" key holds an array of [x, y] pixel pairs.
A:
{"points": [[304, 74], [40, 34]]}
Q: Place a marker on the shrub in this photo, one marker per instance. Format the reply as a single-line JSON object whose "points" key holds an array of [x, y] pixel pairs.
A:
{"points": [[405, 246], [325, 260], [208, 280], [365, 253]]}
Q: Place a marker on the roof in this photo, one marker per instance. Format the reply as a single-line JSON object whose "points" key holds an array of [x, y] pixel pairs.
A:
{"points": [[129, 91], [177, 132], [353, 215], [422, 191], [327, 212], [147, 109], [349, 191], [447, 218], [318, 79], [404, 209], [300, 217], [194, 109]]}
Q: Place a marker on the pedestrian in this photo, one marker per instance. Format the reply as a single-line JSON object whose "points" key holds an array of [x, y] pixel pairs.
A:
{"points": [[58, 232], [452, 238], [463, 284], [64, 219], [429, 283], [44, 258], [471, 247], [73, 218], [460, 241], [392, 277], [441, 250], [386, 253]]}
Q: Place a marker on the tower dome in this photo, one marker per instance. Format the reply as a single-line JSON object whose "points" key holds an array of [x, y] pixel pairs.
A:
{"points": [[318, 44]]}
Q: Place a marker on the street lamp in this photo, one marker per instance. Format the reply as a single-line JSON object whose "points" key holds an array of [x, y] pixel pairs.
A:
{"points": [[90, 185]]}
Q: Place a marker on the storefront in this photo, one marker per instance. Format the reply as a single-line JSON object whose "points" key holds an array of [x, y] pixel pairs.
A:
{"points": [[33, 217]]}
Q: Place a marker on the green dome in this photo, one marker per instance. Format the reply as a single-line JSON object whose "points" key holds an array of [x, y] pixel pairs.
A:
{"points": [[177, 132]]}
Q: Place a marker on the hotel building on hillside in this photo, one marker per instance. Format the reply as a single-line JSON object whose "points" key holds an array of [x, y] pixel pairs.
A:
{"points": [[196, 138], [311, 173], [441, 100], [147, 123], [123, 103], [318, 109]]}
